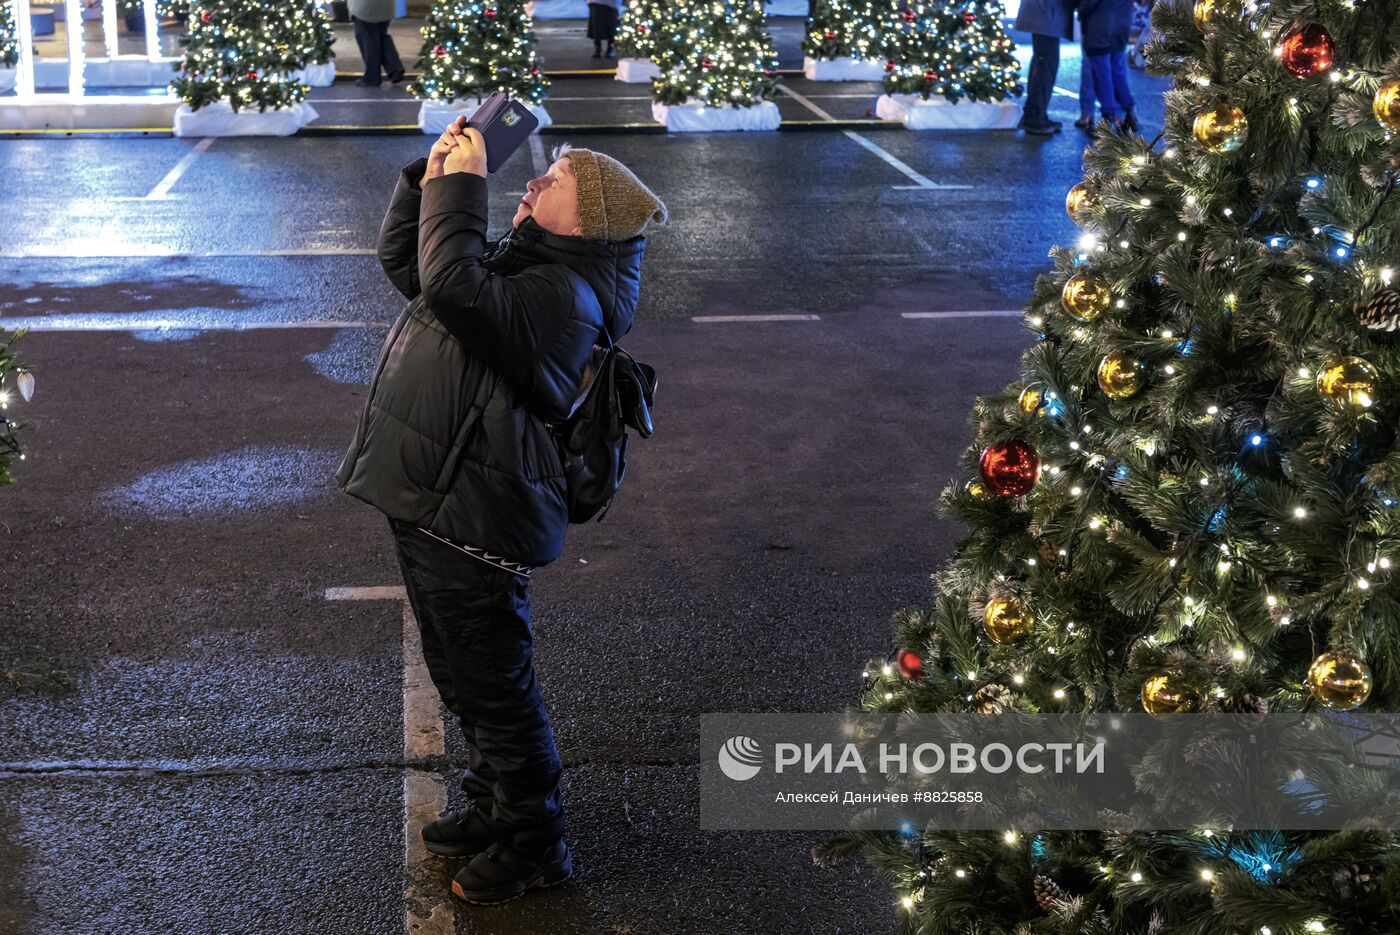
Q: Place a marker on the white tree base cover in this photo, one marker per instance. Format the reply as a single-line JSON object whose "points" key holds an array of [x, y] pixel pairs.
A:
{"points": [[843, 69], [695, 117], [219, 119], [7, 80], [434, 116], [937, 114], [636, 70], [133, 71], [61, 112], [316, 76]]}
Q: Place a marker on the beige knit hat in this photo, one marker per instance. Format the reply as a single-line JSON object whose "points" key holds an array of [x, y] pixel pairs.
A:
{"points": [[613, 204]]}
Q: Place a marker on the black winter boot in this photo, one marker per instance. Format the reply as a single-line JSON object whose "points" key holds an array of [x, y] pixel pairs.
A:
{"points": [[462, 833], [506, 871]]}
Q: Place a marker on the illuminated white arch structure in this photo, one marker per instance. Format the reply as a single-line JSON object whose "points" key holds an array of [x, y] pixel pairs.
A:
{"points": [[53, 94]]}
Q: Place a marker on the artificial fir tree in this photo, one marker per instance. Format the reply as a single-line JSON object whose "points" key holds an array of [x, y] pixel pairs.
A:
{"points": [[13, 379], [1190, 500], [642, 21], [716, 52], [474, 48], [239, 51], [9, 41], [853, 29], [953, 49], [306, 29]]}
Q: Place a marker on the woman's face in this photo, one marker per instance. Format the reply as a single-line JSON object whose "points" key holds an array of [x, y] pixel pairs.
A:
{"points": [[552, 200]]}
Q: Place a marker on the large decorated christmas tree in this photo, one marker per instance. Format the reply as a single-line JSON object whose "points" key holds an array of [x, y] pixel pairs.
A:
{"points": [[1189, 500], [239, 51], [849, 29], [14, 379], [306, 28], [717, 52], [474, 49], [951, 49]]}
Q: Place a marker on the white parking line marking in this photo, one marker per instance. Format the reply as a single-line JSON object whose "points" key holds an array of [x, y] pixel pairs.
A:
{"points": [[1062, 91], [920, 181], [158, 252], [716, 319], [163, 187], [168, 324], [977, 314], [424, 794], [537, 154]]}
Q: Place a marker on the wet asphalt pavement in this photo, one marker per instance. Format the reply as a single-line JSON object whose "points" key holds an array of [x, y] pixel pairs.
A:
{"points": [[194, 739]]}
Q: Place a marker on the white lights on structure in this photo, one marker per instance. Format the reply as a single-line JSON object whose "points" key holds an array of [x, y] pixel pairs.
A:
{"points": [[25, 85], [77, 41]]}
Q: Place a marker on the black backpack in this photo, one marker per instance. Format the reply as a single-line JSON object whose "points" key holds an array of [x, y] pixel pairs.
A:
{"points": [[593, 440]]}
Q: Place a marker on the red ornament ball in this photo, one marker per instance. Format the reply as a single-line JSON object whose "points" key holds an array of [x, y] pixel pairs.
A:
{"points": [[889, 66], [911, 665], [205, 17], [440, 51], [252, 73], [829, 34], [490, 12], [1308, 51], [909, 15], [930, 76], [969, 16], [534, 71], [1009, 469], [706, 63], [641, 28]]}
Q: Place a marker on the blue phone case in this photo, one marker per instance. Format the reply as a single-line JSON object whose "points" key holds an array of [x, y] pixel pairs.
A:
{"points": [[503, 124]]}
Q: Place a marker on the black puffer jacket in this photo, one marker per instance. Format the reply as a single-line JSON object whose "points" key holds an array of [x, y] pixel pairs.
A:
{"points": [[491, 348]]}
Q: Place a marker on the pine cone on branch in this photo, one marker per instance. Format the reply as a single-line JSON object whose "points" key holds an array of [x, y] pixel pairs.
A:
{"points": [[1356, 880], [1047, 893], [992, 699]]}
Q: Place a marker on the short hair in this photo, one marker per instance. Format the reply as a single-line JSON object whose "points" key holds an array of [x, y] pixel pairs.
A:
{"points": [[563, 149]]}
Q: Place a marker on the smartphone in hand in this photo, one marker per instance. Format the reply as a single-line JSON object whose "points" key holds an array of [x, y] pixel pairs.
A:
{"points": [[503, 124]]}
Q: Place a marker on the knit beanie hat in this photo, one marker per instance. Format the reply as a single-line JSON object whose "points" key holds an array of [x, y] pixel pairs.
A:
{"points": [[613, 204]]}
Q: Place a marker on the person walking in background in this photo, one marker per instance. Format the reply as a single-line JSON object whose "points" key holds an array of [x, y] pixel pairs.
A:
{"points": [[602, 25], [371, 19], [1106, 25], [1048, 21]]}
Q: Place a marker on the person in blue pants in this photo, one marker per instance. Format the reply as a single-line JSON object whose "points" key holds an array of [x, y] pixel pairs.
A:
{"points": [[1048, 21], [1106, 25]]}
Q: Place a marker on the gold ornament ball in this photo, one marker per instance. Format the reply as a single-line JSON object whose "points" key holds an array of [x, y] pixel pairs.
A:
{"points": [[1121, 375], [975, 489], [1347, 382], [1030, 400], [1206, 11], [1166, 694], [1386, 105], [1006, 620], [1339, 680], [1079, 198], [1086, 296], [1221, 129]]}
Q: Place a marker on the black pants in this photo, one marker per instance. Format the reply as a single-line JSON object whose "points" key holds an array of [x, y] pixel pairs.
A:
{"points": [[377, 49], [1045, 65], [475, 623]]}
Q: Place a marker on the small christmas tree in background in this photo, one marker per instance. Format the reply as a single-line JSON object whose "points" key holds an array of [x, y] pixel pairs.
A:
{"points": [[953, 49], [1190, 500], [474, 49], [642, 21], [849, 29], [13, 379], [239, 51], [9, 39], [716, 52], [306, 28]]}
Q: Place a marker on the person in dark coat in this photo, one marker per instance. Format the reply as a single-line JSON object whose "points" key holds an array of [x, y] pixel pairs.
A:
{"points": [[455, 447], [602, 25], [1106, 25], [372, 19], [1048, 21]]}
